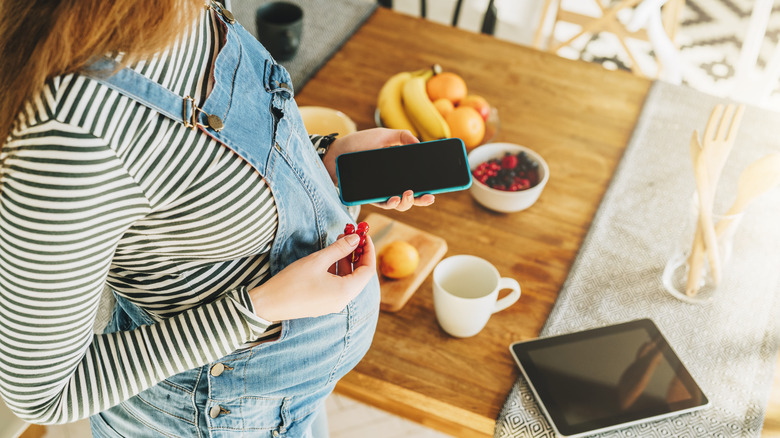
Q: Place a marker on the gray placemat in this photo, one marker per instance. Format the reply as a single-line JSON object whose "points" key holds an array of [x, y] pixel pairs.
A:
{"points": [[327, 24], [730, 344]]}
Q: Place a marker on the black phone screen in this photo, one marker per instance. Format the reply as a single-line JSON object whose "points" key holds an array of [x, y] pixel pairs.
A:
{"points": [[378, 174]]}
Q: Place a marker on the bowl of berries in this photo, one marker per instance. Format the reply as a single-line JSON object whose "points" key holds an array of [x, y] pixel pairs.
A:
{"points": [[507, 177]]}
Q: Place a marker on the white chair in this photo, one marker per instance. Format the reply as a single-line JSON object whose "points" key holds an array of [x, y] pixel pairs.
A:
{"points": [[752, 85], [649, 22], [648, 16]]}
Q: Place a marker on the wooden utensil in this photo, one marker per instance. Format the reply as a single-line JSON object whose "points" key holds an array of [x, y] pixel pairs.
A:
{"points": [[709, 159], [758, 178], [696, 257]]}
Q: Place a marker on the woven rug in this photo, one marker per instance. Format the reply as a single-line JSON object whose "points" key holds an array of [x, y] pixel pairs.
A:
{"points": [[730, 344], [327, 24]]}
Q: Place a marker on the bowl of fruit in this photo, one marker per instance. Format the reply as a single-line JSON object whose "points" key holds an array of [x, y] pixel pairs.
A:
{"points": [[434, 104], [507, 177]]}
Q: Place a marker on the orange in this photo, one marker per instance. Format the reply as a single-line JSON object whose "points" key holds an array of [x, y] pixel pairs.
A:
{"points": [[448, 86], [467, 124], [445, 106], [479, 103]]}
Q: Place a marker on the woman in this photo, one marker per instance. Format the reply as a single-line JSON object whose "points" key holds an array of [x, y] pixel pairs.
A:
{"points": [[188, 184]]}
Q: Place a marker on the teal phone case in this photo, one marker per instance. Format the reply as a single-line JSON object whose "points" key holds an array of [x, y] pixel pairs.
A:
{"points": [[417, 194]]}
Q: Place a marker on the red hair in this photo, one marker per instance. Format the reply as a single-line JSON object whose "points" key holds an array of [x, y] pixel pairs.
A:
{"points": [[40, 39]]}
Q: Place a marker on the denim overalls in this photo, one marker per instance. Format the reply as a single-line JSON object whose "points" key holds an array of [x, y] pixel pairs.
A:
{"points": [[275, 388]]}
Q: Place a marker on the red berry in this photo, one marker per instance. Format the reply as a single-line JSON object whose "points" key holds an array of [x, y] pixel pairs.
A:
{"points": [[509, 162], [362, 231]]}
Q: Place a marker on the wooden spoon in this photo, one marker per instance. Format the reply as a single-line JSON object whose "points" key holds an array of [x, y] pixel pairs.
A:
{"points": [[758, 178]]}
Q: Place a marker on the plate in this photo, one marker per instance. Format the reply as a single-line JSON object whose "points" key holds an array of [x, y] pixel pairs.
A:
{"points": [[321, 120]]}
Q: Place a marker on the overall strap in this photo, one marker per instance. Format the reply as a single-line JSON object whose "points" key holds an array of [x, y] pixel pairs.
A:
{"points": [[151, 94], [145, 91]]}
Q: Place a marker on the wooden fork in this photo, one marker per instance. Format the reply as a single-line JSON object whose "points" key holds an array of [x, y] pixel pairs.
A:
{"points": [[714, 148]]}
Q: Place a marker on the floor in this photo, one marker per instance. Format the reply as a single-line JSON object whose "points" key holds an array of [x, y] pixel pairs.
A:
{"points": [[347, 419], [350, 419]]}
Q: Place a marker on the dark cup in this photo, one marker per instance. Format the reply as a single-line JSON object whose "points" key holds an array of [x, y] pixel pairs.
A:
{"points": [[279, 27]]}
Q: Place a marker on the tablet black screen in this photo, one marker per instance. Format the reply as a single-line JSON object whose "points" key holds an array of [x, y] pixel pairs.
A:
{"points": [[608, 376]]}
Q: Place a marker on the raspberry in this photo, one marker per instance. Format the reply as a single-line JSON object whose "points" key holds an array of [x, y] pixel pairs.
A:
{"points": [[509, 162]]}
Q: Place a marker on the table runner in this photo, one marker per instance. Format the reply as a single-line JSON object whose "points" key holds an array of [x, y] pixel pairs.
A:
{"points": [[730, 344], [327, 24]]}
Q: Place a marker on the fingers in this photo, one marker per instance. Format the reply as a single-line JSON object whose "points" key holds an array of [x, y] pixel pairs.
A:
{"points": [[352, 283], [394, 137], [407, 201], [366, 266], [341, 248], [406, 137], [424, 200], [344, 265], [390, 204], [335, 268]]}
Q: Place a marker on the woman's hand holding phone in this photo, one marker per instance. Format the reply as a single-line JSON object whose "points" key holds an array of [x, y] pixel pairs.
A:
{"points": [[321, 283], [376, 138]]}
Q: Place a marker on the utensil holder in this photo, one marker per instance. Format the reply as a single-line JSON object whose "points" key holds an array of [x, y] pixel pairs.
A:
{"points": [[677, 269]]}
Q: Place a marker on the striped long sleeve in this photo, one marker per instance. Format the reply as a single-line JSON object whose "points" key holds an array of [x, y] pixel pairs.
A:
{"points": [[96, 188], [66, 203]]}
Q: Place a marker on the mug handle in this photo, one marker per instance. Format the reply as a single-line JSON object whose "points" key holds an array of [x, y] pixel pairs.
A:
{"points": [[507, 283]]}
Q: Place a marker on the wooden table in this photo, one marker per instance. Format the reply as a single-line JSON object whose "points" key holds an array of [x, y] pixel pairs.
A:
{"points": [[577, 115]]}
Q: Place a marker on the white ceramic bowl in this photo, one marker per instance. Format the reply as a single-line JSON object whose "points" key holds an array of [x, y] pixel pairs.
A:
{"points": [[500, 200]]}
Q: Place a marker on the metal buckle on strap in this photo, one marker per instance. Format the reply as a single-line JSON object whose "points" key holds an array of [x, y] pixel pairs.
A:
{"points": [[221, 10], [193, 123], [214, 121]]}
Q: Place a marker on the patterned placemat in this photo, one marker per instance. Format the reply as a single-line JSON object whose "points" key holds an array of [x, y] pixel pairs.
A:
{"points": [[730, 344], [327, 24]]}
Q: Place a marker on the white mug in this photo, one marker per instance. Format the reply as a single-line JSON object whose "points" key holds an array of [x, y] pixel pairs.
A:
{"points": [[465, 294]]}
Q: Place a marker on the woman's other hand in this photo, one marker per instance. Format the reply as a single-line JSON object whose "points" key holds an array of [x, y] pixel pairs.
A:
{"points": [[321, 283], [407, 201], [376, 138]]}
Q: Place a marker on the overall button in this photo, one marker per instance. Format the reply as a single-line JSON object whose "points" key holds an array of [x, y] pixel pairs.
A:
{"points": [[228, 16], [215, 411], [275, 433], [215, 122], [217, 369]]}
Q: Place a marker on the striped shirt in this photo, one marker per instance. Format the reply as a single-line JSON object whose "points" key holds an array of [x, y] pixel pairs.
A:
{"points": [[96, 188]]}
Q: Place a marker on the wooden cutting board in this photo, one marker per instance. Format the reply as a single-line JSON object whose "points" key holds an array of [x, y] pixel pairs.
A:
{"points": [[396, 292]]}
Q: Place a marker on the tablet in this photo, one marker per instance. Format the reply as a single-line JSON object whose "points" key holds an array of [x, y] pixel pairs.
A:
{"points": [[607, 378]]}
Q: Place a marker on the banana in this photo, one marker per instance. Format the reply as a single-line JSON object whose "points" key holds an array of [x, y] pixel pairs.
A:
{"points": [[390, 105], [419, 108]]}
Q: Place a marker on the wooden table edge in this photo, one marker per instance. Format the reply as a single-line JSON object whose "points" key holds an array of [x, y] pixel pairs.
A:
{"points": [[414, 406]]}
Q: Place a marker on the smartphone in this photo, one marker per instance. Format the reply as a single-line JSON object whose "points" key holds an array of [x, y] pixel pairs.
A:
{"points": [[377, 175]]}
